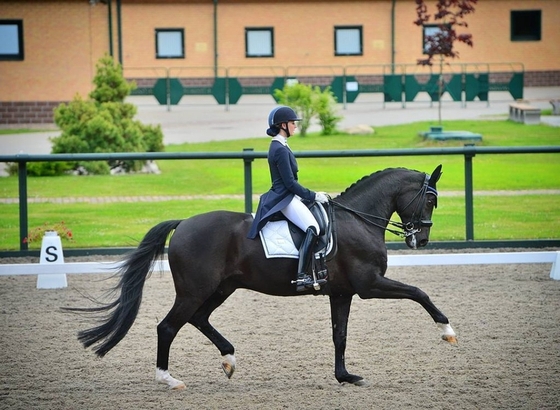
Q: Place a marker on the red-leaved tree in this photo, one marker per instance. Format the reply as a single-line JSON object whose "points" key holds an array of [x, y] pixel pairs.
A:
{"points": [[449, 14]]}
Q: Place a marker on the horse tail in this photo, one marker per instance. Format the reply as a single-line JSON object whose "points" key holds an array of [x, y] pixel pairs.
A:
{"points": [[133, 272]]}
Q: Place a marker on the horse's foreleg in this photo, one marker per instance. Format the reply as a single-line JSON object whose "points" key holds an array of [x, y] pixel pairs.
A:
{"points": [[447, 333], [385, 288], [340, 310]]}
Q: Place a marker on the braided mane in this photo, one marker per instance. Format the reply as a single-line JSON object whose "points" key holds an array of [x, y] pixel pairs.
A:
{"points": [[356, 185]]}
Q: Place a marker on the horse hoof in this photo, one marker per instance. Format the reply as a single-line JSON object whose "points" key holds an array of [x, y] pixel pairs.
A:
{"points": [[228, 365], [179, 386], [163, 376], [447, 333], [353, 380], [451, 339]]}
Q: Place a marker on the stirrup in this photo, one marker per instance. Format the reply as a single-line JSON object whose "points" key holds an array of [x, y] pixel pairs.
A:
{"points": [[306, 282], [303, 282]]}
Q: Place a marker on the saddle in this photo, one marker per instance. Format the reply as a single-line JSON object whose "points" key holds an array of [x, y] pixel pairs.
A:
{"points": [[281, 238]]}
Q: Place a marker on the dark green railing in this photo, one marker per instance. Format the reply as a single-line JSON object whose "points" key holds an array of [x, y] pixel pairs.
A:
{"points": [[248, 156]]}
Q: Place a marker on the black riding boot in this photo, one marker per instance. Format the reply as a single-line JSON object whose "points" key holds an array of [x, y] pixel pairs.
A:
{"points": [[304, 280]]}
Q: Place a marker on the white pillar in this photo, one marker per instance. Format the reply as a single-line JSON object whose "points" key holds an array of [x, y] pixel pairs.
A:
{"points": [[51, 253], [555, 271]]}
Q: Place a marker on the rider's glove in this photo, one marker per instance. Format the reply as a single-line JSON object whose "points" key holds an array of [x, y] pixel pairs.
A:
{"points": [[321, 197]]}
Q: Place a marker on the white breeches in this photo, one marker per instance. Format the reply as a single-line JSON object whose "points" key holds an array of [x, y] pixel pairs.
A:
{"points": [[300, 215]]}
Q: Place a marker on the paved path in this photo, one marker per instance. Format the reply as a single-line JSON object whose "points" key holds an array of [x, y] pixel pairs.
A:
{"points": [[201, 119], [163, 198]]}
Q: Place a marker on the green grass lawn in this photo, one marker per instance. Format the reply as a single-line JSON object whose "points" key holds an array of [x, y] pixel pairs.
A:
{"points": [[123, 224]]}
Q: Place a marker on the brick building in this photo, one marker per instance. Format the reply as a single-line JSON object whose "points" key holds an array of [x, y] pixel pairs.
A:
{"points": [[49, 49]]}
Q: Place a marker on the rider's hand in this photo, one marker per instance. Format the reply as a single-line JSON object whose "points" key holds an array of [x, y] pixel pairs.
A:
{"points": [[321, 197]]}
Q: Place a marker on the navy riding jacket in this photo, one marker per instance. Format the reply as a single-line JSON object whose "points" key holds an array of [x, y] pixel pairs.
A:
{"points": [[283, 173]]}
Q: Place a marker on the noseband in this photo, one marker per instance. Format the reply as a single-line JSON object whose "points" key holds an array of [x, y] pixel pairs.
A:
{"points": [[406, 229]]}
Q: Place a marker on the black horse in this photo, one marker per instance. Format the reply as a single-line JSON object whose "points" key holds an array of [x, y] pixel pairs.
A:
{"points": [[210, 257]]}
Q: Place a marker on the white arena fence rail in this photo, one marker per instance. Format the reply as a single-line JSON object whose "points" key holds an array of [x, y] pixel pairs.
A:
{"points": [[73, 268]]}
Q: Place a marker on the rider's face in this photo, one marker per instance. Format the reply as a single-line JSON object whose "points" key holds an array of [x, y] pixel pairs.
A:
{"points": [[292, 126]]}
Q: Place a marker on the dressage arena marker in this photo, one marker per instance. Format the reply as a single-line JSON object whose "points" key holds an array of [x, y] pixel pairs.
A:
{"points": [[51, 253], [57, 269]]}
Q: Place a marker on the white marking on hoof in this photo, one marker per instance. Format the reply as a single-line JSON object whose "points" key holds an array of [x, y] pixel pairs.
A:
{"points": [[447, 333], [163, 376], [228, 365]]}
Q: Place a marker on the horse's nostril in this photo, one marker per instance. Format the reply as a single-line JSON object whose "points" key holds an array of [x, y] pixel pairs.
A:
{"points": [[423, 243]]}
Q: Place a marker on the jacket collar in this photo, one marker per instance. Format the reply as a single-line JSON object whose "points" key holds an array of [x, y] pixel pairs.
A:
{"points": [[281, 139]]}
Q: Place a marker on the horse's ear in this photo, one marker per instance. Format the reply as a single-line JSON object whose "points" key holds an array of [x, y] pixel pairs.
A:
{"points": [[434, 178]]}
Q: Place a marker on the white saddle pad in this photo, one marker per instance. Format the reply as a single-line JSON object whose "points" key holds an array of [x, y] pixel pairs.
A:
{"points": [[277, 241]]}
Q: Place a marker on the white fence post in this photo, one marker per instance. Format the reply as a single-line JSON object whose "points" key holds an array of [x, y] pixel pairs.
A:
{"points": [[51, 253], [555, 271]]}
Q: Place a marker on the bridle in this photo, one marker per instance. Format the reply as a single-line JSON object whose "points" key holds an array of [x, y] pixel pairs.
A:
{"points": [[403, 230]]}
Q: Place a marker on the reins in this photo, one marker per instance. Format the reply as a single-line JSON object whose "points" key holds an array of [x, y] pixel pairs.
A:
{"points": [[404, 229]]}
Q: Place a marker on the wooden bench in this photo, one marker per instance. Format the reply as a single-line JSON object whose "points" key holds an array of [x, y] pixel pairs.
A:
{"points": [[523, 112]]}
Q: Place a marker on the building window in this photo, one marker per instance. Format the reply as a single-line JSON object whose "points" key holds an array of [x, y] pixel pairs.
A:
{"points": [[348, 41], [526, 25], [170, 43], [11, 40], [433, 38], [259, 42]]}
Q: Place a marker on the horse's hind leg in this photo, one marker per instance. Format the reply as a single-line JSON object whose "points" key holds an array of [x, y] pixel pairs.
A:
{"points": [[178, 316], [167, 330], [201, 321]]}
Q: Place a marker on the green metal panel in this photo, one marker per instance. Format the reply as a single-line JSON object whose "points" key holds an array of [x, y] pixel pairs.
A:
{"points": [[235, 91], [392, 87], [337, 88], [355, 91], [411, 87], [516, 86], [277, 84], [160, 90], [432, 87], [219, 90], [454, 86], [476, 85], [175, 91]]}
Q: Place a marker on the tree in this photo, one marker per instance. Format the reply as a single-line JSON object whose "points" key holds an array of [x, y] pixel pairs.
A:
{"points": [[449, 15], [102, 123], [308, 102]]}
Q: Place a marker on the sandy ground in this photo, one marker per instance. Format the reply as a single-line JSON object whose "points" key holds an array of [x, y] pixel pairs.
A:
{"points": [[507, 318]]}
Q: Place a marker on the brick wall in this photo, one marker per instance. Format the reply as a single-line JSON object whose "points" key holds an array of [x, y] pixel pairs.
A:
{"points": [[65, 39], [27, 112], [542, 79]]}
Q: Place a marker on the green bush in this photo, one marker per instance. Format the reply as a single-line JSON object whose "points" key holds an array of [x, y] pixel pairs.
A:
{"points": [[325, 103], [310, 102], [103, 123]]}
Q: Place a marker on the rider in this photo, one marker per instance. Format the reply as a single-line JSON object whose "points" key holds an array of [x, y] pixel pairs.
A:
{"points": [[286, 193]]}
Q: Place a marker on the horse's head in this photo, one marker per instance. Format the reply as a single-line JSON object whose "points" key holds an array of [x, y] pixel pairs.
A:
{"points": [[416, 208]]}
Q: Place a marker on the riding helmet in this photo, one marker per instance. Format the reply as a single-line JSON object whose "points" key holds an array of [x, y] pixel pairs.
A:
{"points": [[280, 115]]}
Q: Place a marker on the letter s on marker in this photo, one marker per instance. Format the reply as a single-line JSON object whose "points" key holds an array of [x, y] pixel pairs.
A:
{"points": [[48, 252]]}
